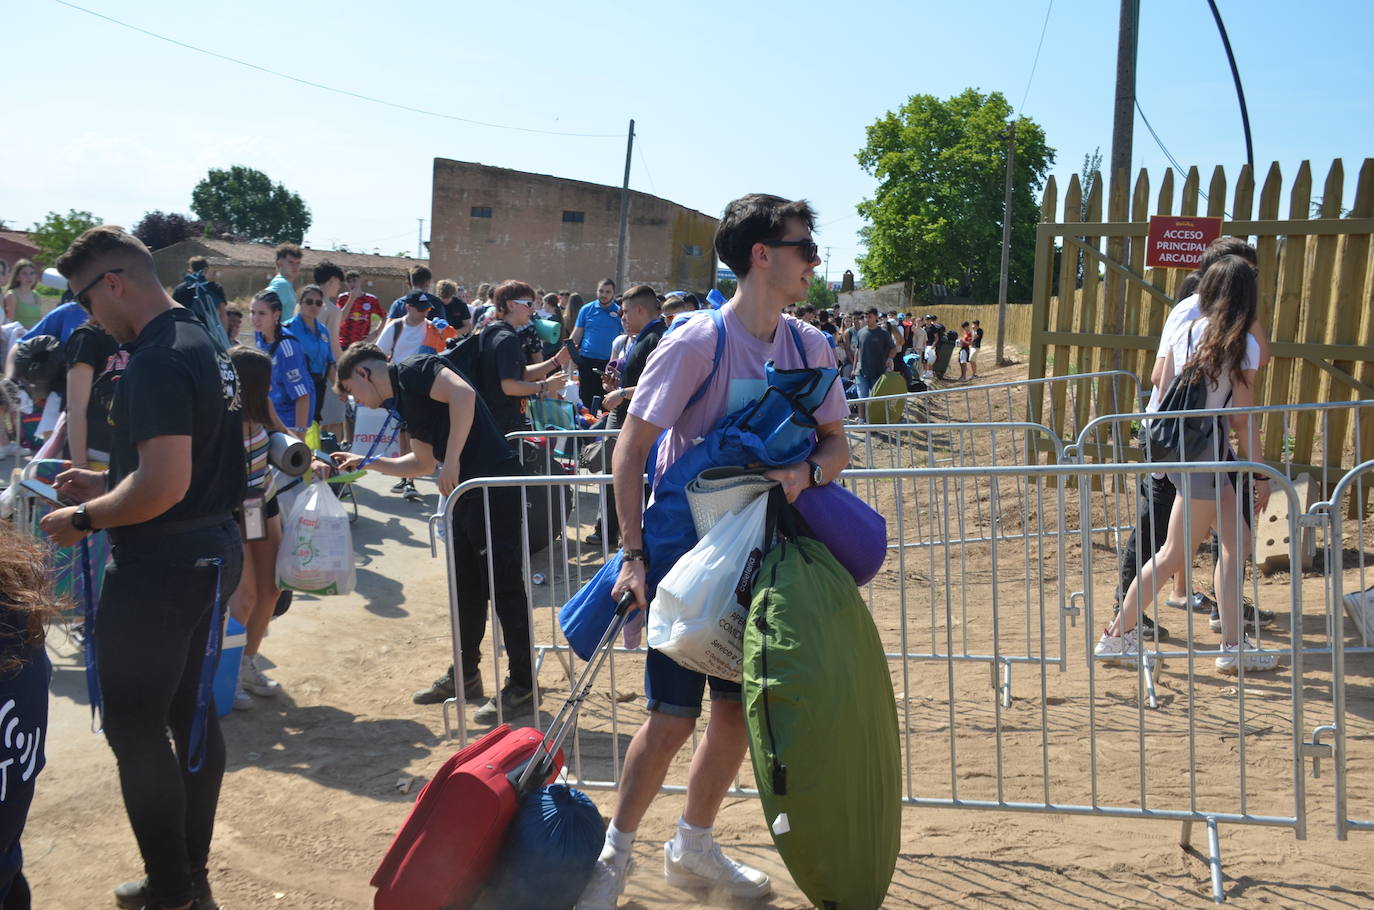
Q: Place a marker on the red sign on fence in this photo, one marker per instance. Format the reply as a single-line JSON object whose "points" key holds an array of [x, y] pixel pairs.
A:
{"points": [[1177, 242]]}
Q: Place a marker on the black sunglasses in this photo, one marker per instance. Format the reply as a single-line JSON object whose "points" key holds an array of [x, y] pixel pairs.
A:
{"points": [[808, 248], [80, 296]]}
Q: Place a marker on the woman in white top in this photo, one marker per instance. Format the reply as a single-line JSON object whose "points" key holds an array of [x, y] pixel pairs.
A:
{"points": [[1219, 346]]}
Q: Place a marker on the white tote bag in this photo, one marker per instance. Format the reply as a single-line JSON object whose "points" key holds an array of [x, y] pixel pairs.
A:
{"points": [[698, 615], [316, 551]]}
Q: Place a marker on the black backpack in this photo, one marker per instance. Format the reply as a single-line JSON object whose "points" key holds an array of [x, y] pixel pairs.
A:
{"points": [[1185, 438], [465, 356], [951, 337]]}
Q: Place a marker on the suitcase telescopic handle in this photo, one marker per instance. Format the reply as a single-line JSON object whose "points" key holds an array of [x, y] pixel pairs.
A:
{"points": [[531, 775]]}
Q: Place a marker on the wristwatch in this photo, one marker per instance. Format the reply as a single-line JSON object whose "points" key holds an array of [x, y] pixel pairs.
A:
{"points": [[817, 476], [80, 520]]}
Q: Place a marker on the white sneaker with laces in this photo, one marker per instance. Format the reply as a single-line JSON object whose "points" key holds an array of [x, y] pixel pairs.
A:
{"points": [[1244, 652], [242, 700], [254, 680], [605, 887], [712, 869], [1118, 650]]}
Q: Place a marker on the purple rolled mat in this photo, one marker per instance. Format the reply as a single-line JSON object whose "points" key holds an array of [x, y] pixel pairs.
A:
{"points": [[852, 529]]}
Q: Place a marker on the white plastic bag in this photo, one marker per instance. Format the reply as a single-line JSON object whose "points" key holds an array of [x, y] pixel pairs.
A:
{"points": [[367, 426], [698, 615], [316, 552]]}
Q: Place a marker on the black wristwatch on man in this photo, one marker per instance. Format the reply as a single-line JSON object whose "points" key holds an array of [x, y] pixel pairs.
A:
{"points": [[80, 520], [817, 475]]}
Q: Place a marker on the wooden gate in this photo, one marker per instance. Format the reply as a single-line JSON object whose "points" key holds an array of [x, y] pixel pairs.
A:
{"points": [[1316, 294]]}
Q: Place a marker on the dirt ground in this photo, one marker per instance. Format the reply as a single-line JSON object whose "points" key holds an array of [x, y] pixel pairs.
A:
{"points": [[311, 798]]}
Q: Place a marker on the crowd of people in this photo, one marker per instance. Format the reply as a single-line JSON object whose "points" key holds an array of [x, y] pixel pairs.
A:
{"points": [[168, 424]]}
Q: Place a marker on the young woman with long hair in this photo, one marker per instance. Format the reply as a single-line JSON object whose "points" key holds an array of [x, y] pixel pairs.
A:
{"points": [[291, 390], [1218, 349], [22, 302], [26, 604], [252, 604]]}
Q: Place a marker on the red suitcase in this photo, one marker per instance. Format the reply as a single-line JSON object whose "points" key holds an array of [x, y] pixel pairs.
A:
{"points": [[444, 852]]}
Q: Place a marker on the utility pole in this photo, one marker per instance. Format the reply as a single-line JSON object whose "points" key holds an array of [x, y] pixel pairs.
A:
{"points": [[1123, 113], [624, 214], [827, 267], [420, 239], [1123, 129], [1006, 248]]}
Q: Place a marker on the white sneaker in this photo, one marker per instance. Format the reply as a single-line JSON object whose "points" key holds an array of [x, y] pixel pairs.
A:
{"points": [[712, 869], [8, 450], [255, 681], [242, 700], [605, 887], [1245, 652], [1118, 650]]}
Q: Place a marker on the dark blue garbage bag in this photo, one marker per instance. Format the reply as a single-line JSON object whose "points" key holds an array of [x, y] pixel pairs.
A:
{"points": [[551, 848]]}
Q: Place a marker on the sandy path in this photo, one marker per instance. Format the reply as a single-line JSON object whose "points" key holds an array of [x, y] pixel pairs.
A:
{"points": [[311, 801]]}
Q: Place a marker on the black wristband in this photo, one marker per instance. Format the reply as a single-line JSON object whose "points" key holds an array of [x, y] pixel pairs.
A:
{"points": [[635, 555]]}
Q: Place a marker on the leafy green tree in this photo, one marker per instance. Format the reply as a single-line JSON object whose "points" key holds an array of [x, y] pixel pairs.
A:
{"points": [[56, 232], [819, 294], [727, 287], [936, 217], [252, 206]]}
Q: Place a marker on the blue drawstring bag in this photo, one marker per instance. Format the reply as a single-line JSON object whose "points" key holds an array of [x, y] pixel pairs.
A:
{"points": [[776, 429], [549, 854]]}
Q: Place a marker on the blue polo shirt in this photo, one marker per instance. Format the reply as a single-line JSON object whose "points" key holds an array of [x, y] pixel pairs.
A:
{"points": [[600, 327], [315, 344]]}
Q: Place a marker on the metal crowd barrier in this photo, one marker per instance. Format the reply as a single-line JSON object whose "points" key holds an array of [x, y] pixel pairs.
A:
{"points": [[1064, 403], [1349, 595]]}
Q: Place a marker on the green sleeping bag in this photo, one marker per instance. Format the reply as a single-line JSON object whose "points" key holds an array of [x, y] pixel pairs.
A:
{"points": [[822, 725], [889, 411]]}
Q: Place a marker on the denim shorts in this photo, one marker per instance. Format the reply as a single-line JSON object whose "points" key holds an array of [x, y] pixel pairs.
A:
{"points": [[671, 688]]}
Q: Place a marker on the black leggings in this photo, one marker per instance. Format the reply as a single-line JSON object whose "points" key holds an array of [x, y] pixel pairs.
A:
{"points": [[150, 639], [470, 566]]}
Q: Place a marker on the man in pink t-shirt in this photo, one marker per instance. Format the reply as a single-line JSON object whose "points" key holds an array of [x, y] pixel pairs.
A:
{"points": [[767, 242]]}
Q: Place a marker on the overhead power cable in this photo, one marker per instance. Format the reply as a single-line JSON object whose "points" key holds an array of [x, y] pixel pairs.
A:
{"points": [[331, 88], [1035, 63], [1172, 160]]}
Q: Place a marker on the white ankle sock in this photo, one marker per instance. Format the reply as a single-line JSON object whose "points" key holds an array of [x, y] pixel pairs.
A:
{"points": [[690, 837], [619, 845]]}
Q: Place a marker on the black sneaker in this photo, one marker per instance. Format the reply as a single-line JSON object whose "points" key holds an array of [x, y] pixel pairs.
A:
{"points": [[132, 895], [515, 700], [442, 689], [1254, 618], [1147, 626], [400, 485], [410, 493]]}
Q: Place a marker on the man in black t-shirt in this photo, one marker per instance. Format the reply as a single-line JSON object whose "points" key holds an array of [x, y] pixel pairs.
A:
{"points": [[506, 375], [176, 476], [450, 427]]}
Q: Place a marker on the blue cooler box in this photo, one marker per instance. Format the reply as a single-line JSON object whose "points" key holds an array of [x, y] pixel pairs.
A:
{"points": [[230, 655]]}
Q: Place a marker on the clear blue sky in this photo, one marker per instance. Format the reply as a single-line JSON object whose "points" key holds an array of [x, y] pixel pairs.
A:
{"points": [[729, 97]]}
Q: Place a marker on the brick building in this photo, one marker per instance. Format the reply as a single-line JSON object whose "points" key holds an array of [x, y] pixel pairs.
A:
{"points": [[245, 268], [492, 223]]}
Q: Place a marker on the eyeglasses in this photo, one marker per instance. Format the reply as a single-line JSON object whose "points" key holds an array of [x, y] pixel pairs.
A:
{"points": [[526, 301], [808, 248], [312, 302], [80, 296]]}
